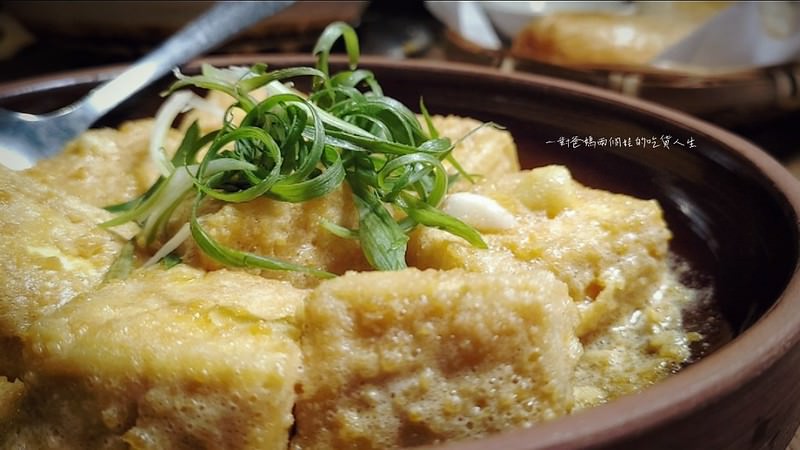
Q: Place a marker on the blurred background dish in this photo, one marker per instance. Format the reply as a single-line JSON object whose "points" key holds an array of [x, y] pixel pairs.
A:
{"points": [[511, 18], [153, 21], [63, 35], [616, 45], [592, 37], [609, 44]]}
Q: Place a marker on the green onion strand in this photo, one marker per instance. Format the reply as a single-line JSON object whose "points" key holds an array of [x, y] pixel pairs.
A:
{"points": [[294, 147]]}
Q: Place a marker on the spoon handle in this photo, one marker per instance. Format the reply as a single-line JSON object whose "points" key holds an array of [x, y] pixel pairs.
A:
{"points": [[218, 24]]}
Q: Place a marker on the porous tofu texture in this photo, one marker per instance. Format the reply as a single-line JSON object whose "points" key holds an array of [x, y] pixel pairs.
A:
{"points": [[105, 166], [11, 392], [612, 252], [287, 231], [52, 251], [485, 151], [189, 359], [609, 249], [174, 358], [395, 359], [292, 231]]}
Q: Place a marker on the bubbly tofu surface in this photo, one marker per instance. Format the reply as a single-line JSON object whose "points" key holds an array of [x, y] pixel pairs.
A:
{"points": [[105, 166], [11, 392], [612, 252], [488, 152], [609, 249], [169, 359], [287, 231], [638, 348], [52, 251], [397, 359]]}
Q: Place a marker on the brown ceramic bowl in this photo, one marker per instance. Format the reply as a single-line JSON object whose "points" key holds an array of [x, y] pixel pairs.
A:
{"points": [[733, 209]]}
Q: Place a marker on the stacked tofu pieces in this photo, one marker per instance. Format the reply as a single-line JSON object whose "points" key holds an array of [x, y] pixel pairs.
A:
{"points": [[175, 358], [468, 342]]}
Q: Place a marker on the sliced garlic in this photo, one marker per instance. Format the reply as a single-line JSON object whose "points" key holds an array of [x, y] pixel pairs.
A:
{"points": [[549, 188], [481, 212]]}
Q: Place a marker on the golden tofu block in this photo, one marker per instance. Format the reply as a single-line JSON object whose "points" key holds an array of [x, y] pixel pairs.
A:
{"points": [[287, 231], [11, 394], [52, 251], [612, 252], [397, 359], [292, 232], [488, 152], [105, 166], [610, 249], [168, 359]]}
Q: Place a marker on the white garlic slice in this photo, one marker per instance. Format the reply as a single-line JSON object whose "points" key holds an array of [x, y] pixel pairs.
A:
{"points": [[479, 211]]}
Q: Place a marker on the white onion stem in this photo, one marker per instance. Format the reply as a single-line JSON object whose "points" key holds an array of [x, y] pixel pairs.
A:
{"points": [[171, 245], [177, 103]]}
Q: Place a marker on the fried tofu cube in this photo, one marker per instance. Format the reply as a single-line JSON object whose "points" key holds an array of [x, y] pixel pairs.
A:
{"points": [[610, 249], [292, 231], [612, 252], [105, 166], [287, 231], [11, 393], [168, 359], [52, 251], [488, 152], [397, 359]]}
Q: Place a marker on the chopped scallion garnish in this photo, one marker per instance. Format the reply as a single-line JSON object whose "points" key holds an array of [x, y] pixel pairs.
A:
{"points": [[295, 147]]}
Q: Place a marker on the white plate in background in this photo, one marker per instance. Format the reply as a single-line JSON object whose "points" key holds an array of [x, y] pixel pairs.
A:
{"points": [[509, 18]]}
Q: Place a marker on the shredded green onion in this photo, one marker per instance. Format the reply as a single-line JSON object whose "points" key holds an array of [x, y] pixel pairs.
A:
{"points": [[170, 261], [295, 147], [123, 264]]}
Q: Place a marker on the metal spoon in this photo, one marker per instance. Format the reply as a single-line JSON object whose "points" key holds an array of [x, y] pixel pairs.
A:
{"points": [[27, 138]]}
